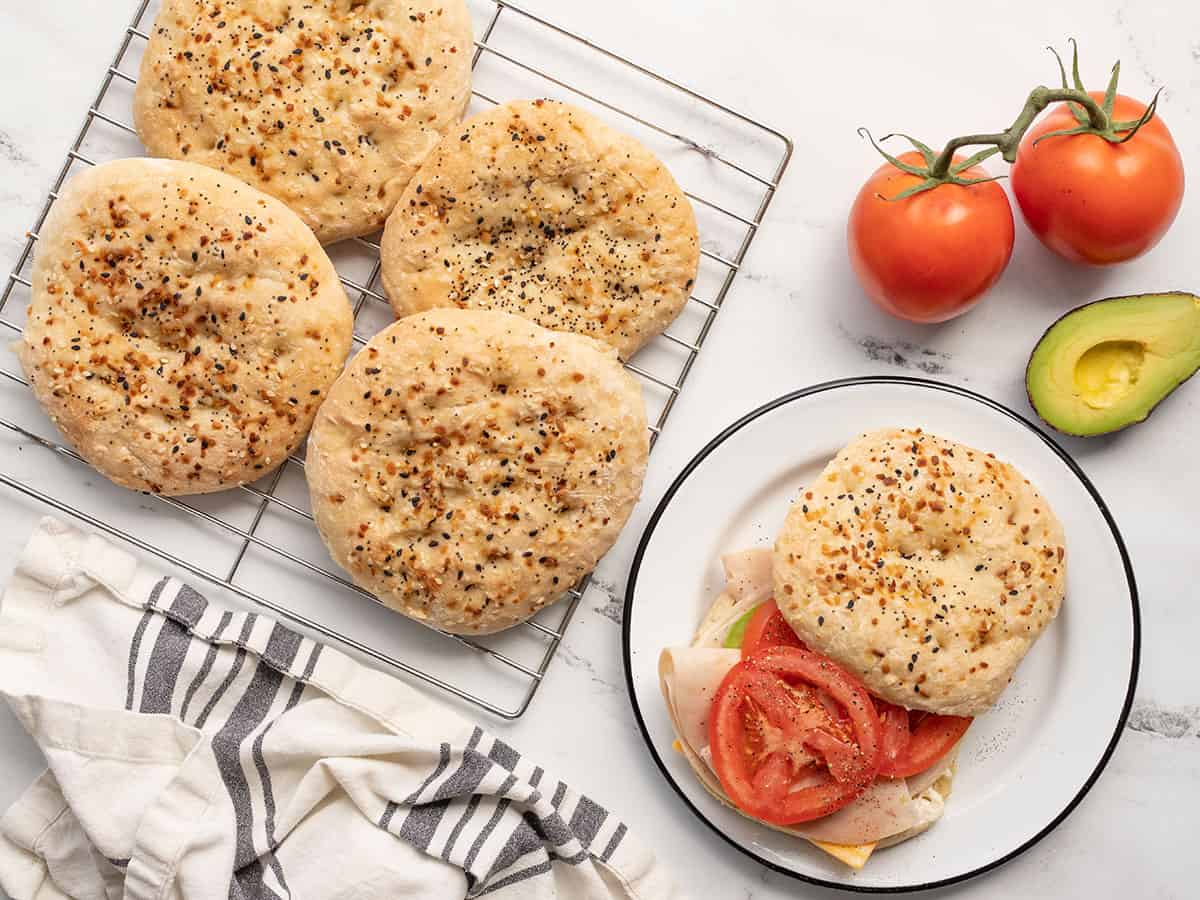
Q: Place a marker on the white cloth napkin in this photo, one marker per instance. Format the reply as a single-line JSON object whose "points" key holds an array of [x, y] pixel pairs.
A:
{"points": [[198, 752]]}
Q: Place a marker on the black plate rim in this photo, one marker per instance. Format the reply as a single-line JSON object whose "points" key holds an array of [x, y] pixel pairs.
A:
{"points": [[822, 387]]}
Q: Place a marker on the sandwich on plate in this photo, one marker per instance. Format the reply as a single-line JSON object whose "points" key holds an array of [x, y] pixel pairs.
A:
{"points": [[828, 687]]}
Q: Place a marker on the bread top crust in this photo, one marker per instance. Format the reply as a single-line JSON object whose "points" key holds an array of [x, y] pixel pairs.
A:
{"points": [[925, 567], [470, 466], [331, 108], [183, 325], [540, 209]]}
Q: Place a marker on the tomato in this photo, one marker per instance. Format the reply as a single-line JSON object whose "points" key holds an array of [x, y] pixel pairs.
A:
{"points": [[932, 255], [894, 735], [793, 736], [912, 741], [1093, 201], [768, 628]]}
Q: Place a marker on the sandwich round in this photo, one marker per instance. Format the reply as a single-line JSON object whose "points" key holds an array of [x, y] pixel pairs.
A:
{"points": [[183, 327], [540, 209], [925, 567], [470, 466], [329, 105]]}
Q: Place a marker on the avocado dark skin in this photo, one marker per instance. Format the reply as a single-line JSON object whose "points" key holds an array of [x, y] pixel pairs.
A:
{"points": [[1108, 364]]}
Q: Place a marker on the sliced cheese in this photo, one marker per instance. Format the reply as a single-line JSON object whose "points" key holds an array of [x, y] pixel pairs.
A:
{"points": [[853, 855]]}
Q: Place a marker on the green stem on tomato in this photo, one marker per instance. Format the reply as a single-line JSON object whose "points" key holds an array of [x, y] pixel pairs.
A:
{"points": [[1010, 139], [1092, 118]]}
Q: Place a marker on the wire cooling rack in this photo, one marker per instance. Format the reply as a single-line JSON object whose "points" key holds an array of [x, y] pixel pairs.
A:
{"points": [[258, 541]]}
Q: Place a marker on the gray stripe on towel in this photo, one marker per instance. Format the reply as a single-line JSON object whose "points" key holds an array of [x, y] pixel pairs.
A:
{"points": [[466, 777], [587, 819], [251, 709], [523, 840], [524, 875], [206, 667], [504, 754], [260, 761], [490, 826], [443, 763], [554, 830], [472, 805], [422, 823], [421, 818], [613, 842], [188, 606], [238, 658], [170, 649], [135, 644]]}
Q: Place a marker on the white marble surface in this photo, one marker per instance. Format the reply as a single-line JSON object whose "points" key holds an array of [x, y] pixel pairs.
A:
{"points": [[794, 317]]}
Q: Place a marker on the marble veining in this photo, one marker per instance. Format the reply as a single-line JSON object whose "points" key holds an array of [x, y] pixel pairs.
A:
{"points": [[900, 353], [1165, 721], [1139, 57], [575, 659], [10, 151], [611, 602]]}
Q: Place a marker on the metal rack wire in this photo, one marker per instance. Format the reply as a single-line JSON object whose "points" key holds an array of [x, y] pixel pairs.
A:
{"points": [[243, 528]]}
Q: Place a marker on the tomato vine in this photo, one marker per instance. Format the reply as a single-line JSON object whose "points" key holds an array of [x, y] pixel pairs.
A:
{"points": [[1092, 117]]}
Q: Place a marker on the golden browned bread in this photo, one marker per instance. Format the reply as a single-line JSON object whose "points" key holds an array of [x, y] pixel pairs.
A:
{"points": [[329, 105], [184, 326], [470, 465], [540, 209], [925, 567]]}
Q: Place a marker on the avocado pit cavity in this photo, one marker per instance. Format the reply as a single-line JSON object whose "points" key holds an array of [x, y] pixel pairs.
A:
{"points": [[1108, 371]]}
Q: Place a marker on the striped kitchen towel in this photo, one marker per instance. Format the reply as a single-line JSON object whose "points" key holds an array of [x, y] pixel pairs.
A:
{"points": [[198, 752]]}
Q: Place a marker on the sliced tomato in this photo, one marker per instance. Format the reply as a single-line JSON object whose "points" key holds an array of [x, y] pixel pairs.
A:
{"points": [[895, 736], [768, 628], [793, 736], [799, 665], [914, 740]]}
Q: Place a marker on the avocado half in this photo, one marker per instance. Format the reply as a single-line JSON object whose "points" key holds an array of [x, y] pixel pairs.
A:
{"points": [[1106, 365]]}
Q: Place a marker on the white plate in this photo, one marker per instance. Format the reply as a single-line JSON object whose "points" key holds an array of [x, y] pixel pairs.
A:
{"points": [[1025, 764]]}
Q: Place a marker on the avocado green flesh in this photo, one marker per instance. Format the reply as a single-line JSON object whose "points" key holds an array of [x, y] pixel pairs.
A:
{"points": [[1106, 365]]}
